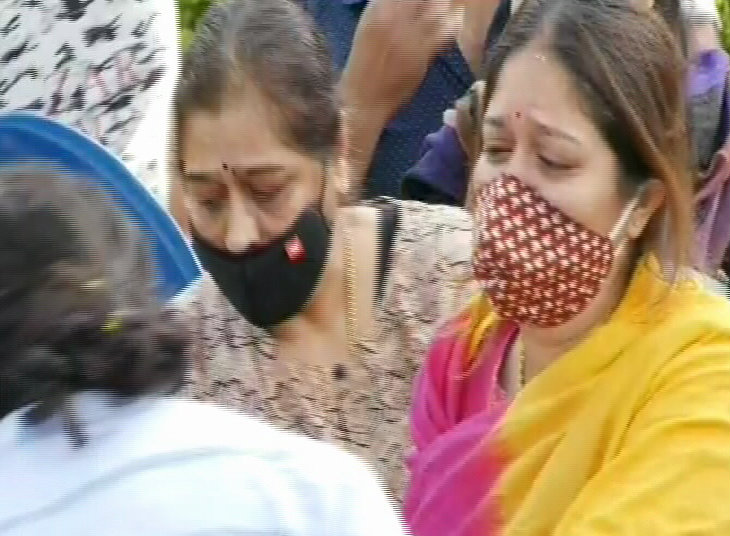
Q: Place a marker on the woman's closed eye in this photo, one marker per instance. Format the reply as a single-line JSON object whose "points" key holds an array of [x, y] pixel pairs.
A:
{"points": [[211, 205], [500, 153], [267, 194], [497, 153], [554, 164]]}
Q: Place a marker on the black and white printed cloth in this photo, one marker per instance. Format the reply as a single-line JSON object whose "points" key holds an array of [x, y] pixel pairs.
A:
{"points": [[106, 67]]}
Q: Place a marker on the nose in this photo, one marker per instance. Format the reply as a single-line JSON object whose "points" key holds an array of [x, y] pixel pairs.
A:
{"points": [[242, 230], [521, 160]]}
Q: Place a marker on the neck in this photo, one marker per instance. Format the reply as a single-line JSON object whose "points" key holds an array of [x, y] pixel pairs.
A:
{"points": [[328, 301], [543, 346]]}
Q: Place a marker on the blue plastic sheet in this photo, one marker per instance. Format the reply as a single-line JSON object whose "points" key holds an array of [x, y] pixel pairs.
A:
{"points": [[26, 138]]}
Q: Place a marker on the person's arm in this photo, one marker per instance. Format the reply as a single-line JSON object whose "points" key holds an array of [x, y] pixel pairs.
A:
{"points": [[441, 176], [672, 476], [393, 47], [363, 126], [472, 38]]}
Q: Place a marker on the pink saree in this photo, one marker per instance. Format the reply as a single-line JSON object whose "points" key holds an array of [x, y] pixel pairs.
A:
{"points": [[454, 412]]}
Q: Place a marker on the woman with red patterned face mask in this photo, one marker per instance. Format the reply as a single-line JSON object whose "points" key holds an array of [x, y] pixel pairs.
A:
{"points": [[587, 390]]}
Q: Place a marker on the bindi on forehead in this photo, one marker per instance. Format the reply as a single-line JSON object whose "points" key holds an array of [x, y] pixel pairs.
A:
{"points": [[535, 119]]}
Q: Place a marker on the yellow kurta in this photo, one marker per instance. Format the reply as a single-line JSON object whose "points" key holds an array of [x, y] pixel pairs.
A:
{"points": [[628, 433]]}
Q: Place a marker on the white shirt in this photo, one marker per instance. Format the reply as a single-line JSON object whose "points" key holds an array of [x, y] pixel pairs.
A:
{"points": [[162, 466]]}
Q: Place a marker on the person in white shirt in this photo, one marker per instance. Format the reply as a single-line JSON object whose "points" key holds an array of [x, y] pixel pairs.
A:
{"points": [[92, 440]]}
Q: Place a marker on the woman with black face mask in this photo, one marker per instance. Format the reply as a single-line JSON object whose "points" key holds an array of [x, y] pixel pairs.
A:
{"points": [[312, 316], [91, 439]]}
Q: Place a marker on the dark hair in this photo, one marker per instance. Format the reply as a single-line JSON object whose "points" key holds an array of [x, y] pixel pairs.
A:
{"points": [[78, 310], [273, 46], [629, 66]]}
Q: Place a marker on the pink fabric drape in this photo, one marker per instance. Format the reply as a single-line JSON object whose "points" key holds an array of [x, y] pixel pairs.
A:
{"points": [[456, 460]]}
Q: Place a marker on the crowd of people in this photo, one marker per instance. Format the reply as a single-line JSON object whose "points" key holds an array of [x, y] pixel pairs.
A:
{"points": [[465, 271]]}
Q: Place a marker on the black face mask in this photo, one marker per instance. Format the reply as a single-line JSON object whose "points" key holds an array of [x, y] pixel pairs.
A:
{"points": [[273, 284]]}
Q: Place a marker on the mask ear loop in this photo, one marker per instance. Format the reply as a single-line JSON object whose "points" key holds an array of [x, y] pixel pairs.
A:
{"points": [[620, 226]]}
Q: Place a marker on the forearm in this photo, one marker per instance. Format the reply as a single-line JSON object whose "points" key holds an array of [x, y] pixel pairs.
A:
{"points": [[472, 37], [362, 140], [365, 122]]}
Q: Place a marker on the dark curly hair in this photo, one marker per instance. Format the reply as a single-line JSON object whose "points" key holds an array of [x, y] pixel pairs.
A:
{"points": [[78, 306]]}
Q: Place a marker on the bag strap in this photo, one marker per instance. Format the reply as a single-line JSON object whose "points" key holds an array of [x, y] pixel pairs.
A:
{"points": [[388, 225]]}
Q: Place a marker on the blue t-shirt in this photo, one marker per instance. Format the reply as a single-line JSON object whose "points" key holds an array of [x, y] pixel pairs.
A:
{"points": [[400, 143]]}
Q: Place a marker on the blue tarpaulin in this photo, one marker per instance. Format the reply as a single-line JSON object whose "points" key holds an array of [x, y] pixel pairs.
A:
{"points": [[28, 138]]}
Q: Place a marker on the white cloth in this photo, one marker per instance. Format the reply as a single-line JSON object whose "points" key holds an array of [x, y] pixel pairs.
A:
{"points": [[701, 12], [163, 466], [105, 67]]}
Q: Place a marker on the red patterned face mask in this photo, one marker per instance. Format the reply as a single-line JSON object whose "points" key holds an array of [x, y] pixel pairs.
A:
{"points": [[538, 265]]}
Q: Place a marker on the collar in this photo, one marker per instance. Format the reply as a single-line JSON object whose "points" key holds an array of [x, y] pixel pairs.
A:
{"points": [[98, 412]]}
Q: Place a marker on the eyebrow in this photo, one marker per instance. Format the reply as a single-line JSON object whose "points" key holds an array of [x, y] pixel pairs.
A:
{"points": [[256, 171], [199, 177], [238, 173], [499, 123]]}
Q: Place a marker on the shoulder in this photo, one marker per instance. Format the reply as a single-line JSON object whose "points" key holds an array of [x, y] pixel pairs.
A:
{"points": [[318, 483], [436, 233], [439, 231], [700, 310], [691, 349], [202, 425], [444, 218], [245, 473], [433, 249], [203, 300], [431, 277]]}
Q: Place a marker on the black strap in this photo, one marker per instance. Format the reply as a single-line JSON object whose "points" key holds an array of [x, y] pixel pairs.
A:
{"points": [[389, 219], [415, 189]]}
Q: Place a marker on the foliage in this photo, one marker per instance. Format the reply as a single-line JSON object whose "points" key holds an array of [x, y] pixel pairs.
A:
{"points": [[192, 10], [723, 6], [190, 13]]}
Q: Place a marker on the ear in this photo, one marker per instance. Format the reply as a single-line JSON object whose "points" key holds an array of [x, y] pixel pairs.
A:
{"points": [[651, 200]]}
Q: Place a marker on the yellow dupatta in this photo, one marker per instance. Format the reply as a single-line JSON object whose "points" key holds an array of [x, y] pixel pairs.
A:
{"points": [[629, 432]]}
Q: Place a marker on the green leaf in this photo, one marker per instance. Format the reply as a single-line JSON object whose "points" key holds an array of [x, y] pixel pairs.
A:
{"points": [[723, 7], [191, 11]]}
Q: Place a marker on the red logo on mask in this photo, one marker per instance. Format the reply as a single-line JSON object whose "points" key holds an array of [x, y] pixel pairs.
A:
{"points": [[295, 250]]}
